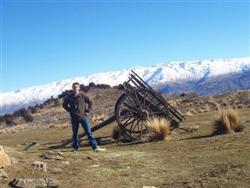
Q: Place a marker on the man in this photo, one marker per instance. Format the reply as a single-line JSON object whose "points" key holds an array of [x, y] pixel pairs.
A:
{"points": [[78, 105]]}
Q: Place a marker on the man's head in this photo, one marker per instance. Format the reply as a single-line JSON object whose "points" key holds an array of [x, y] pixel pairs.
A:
{"points": [[76, 88]]}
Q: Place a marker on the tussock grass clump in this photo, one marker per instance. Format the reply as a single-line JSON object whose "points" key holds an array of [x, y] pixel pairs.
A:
{"points": [[228, 122], [160, 127]]}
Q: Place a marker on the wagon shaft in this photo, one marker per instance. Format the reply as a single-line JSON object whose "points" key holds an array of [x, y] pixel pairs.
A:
{"points": [[93, 129]]}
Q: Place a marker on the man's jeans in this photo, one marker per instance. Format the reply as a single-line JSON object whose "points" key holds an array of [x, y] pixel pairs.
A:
{"points": [[86, 126]]}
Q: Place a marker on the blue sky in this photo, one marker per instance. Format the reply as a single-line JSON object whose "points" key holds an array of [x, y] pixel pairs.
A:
{"points": [[45, 41]]}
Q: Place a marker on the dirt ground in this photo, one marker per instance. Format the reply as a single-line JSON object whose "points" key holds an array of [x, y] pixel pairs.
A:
{"points": [[185, 160]]}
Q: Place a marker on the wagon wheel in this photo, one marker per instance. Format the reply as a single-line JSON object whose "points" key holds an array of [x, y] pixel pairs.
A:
{"points": [[133, 111]]}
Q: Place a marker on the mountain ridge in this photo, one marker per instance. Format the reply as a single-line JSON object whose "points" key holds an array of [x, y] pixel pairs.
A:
{"points": [[189, 76]]}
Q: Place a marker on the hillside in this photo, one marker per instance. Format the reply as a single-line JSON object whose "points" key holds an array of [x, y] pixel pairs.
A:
{"points": [[104, 100], [186, 159]]}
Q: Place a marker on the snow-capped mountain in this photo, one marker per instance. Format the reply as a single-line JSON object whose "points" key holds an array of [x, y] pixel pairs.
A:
{"points": [[203, 77]]}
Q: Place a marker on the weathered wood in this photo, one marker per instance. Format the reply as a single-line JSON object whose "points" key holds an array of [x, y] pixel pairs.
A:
{"points": [[93, 129], [138, 104], [29, 144]]}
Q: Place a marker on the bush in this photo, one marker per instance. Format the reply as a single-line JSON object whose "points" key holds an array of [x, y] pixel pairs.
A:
{"points": [[9, 119], [28, 117], [228, 122], [84, 88], [1, 119], [57, 102], [64, 94], [41, 106], [23, 111], [49, 101], [183, 94], [20, 112], [160, 128], [92, 84], [119, 87], [17, 113], [33, 109], [103, 86], [26, 114]]}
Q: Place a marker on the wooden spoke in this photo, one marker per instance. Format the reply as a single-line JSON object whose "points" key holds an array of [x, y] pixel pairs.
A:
{"points": [[134, 109], [132, 129], [126, 120], [141, 131], [128, 123], [147, 128], [125, 116], [128, 109]]}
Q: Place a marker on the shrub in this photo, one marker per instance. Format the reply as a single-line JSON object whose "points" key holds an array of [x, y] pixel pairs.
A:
{"points": [[64, 93], [183, 94], [41, 106], [119, 87], [103, 86], [92, 84], [9, 119], [57, 102], [33, 109], [20, 112], [1, 119], [26, 114], [28, 117], [17, 113], [49, 101], [84, 88], [23, 111], [228, 122], [160, 128]]}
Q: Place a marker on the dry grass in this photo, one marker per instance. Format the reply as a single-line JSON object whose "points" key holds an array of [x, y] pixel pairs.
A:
{"points": [[160, 128], [4, 158], [228, 122], [99, 118], [188, 160]]}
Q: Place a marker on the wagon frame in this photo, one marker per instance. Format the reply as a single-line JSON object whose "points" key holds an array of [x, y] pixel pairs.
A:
{"points": [[138, 104]]}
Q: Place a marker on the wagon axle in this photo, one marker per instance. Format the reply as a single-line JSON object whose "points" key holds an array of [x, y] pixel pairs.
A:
{"points": [[143, 115], [139, 102]]}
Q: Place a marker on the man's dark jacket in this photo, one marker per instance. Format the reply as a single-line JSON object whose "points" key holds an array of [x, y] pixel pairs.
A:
{"points": [[78, 105]]}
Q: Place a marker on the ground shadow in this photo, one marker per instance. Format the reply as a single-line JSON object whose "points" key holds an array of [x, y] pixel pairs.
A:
{"points": [[104, 140], [199, 137]]}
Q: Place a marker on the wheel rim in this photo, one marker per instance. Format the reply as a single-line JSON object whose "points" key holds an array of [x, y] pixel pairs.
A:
{"points": [[133, 112]]}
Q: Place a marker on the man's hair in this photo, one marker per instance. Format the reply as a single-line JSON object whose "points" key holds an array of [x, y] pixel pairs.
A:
{"points": [[75, 83]]}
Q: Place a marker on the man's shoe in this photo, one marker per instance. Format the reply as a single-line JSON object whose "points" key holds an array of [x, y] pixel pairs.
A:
{"points": [[75, 150], [99, 149]]}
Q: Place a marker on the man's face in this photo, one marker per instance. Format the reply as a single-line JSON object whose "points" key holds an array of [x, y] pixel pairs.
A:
{"points": [[76, 89]]}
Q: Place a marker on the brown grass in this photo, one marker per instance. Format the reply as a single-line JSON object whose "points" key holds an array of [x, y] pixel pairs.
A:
{"points": [[190, 160], [4, 158], [228, 122], [160, 128]]}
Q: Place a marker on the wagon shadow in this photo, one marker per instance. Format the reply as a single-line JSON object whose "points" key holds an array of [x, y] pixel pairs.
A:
{"points": [[199, 137], [104, 140]]}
